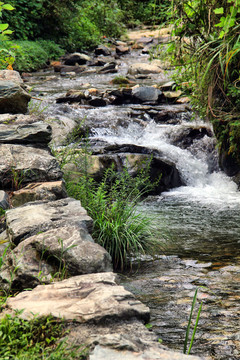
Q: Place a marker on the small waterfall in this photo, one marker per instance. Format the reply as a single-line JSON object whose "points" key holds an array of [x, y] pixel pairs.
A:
{"points": [[203, 185]]}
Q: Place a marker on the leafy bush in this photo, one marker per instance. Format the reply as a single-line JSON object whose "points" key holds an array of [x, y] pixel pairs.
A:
{"points": [[37, 338], [33, 55], [207, 49]]}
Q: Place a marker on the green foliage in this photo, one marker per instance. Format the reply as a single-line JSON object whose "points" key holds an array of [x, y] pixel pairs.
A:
{"points": [[33, 55], [33, 339], [112, 204], [206, 48], [6, 50], [144, 11]]}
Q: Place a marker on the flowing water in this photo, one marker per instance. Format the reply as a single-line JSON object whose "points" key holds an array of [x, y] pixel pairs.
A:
{"points": [[199, 222]]}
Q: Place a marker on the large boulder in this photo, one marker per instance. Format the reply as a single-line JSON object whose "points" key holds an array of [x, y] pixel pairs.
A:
{"points": [[31, 218], [13, 97], [86, 298], [146, 94], [23, 164], [54, 254]]}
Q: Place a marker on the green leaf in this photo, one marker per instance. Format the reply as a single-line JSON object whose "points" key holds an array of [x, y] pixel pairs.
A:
{"points": [[7, 7], [219, 10], [3, 27]]}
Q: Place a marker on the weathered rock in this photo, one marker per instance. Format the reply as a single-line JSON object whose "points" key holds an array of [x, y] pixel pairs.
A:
{"points": [[109, 68], [4, 200], [102, 50], [19, 119], [76, 58], [62, 127], [153, 353], [144, 68], [74, 96], [13, 98], [122, 49], [146, 94], [61, 252], [39, 191], [168, 86], [87, 298], [23, 164], [29, 219], [173, 95], [63, 69], [11, 75], [37, 132]]}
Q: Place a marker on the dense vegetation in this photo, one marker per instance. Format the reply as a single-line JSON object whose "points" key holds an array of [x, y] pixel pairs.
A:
{"points": [[206, 48]]}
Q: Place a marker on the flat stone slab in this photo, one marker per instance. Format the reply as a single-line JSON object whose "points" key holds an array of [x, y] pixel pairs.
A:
{"points": [[144, 68], [23, 164], [30, 219], [35, 133], [87, 298], [104, 353], [50, 191]]}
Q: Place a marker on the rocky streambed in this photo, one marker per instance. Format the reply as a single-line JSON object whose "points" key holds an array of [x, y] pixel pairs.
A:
{"points": [[196, 206]]}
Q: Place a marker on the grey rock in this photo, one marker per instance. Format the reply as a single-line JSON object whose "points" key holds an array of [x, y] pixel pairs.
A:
{"points": [[24, 134], [4, 204], [144, 68], [102, 50], [56, 253], [104, 353], [31, 218], [61, 126], [19, 119], [11, 75], [86, 298], [146, 93], [23, 164], [13, 98], [76, 58]]}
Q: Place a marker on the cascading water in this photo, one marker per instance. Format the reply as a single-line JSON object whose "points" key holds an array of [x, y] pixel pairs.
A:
{"points": [[213, 188]]}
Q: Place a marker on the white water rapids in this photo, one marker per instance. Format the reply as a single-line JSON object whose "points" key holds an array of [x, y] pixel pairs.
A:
{"points": [[202, 186]]}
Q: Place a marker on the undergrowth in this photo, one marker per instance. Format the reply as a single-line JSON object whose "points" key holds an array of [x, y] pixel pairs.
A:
{"points": [[38, 338]]}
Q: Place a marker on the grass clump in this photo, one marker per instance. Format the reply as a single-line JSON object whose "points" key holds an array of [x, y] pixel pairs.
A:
{"points": [[118, 226], [34, 339]]}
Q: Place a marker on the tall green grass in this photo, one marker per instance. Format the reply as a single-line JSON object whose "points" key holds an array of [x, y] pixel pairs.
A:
{"points": [[118, 226]]}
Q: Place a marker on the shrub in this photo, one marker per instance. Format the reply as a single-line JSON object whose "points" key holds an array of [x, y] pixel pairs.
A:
{"points": [[112, 204], [33, 55]]}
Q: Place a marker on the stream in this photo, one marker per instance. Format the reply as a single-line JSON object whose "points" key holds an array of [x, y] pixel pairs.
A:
{"points": [[199, 223]]}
